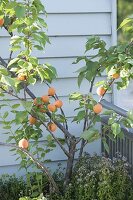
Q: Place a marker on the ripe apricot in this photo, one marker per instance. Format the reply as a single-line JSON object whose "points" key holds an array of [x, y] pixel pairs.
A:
{"points": [[21, 77], [115, 75], [42, 109], [52, 127], [97, 108], [36, 103], [101, 91], [32, 120], [45, 99], [51, 107], [51, 91], [58, 103], [23, 143], [1, 22]]}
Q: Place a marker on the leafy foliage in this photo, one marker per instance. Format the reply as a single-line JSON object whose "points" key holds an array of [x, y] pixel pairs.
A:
{"points": [[125, 10], [94, 177]]}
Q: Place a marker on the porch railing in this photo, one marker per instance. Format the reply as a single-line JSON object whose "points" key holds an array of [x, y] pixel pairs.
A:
{"points": [[123, 146]]}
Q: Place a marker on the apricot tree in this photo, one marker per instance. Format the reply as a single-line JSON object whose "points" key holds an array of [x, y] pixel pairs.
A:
{"points": [[25, 24]]}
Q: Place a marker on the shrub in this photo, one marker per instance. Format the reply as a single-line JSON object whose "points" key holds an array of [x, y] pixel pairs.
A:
{"points": [[100, 178], [94, 178], [11, 187], [32, 186]]}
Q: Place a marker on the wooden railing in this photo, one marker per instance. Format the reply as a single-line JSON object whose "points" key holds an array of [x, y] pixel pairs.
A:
{"points": [[123, 146]]}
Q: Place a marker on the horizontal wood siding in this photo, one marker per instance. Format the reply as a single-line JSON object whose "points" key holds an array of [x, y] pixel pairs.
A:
{"points": [[77, 6], [70, 23], [61, 47]]}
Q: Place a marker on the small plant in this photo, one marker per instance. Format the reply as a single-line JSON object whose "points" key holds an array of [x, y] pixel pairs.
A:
{"points": [[100, 178], [11, 187]]}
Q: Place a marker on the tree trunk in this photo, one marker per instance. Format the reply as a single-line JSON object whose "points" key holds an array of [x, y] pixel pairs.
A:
{"points": [[81, 149], [70, 162]]}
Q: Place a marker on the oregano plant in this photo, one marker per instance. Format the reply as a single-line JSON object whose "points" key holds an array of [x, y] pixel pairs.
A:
{"points": [[24, 119]]}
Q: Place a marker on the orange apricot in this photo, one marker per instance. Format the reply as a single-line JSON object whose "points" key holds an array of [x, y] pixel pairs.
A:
{"points": [[23, 143], [1, 22], [45, 99], [97, 108], [21, 77], [51, 91], [52, 127], [101, 91], [32, 120], [115, 75], [58, 103], [51, 107]]}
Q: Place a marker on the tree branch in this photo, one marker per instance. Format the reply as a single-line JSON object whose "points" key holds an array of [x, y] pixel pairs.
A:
{"points": [[58, 142], [38, 163], [83, 142], [64, 130], [11, 93]]}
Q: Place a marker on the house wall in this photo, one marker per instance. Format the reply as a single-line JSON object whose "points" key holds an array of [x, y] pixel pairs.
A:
{"points": [[70, 22], [124, 98]]}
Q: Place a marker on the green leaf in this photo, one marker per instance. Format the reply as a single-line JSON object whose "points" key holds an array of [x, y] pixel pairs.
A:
{"points": [[3, 71], [125, 22], [42, 22], [106, 146], [80, 116], [9, 81], [100, 83], [90, 135], [49, 138], [38, 47], [108, 112], [116, 128], [79, 59], [130, 115], [5, 115], [31, 80], [91, 69], [7, 127], [80, 78], [15, 48], [20, 11], [20, 117], [27, 105], [130, 61], [75, 96], [15, 106]]}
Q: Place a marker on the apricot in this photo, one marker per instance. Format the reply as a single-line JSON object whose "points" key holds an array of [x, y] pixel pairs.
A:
{"points": [[45, 99], [97, 108], [51, 107], [52, 127], [115, 75], [21, 77], [1, 22], [23, 143], [32, 120], [51, 91], [101, 91], [58, 103]]}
